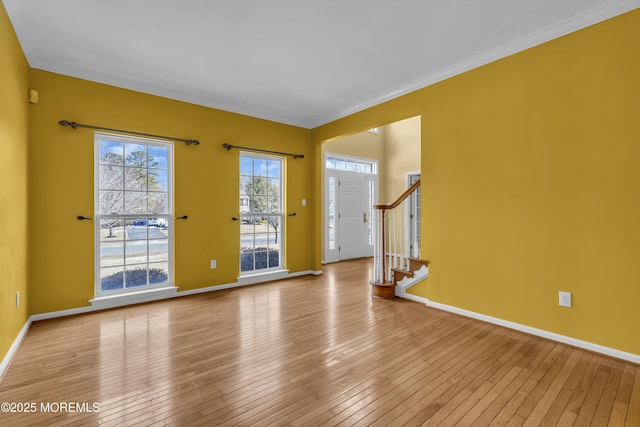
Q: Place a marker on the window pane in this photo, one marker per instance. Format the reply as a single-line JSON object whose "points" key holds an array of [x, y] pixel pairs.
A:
{"points": [[110, 177], [136, 228], [274, 205], [135, 155], [158, 250], [135, 276], [273, 187], [331, 163], [158, 157], [261, 260], [273, 258], [261, 239], [135, 252], [259, 186], [135, 202], [158, 273], [158, 180], [246, 262], [258, 204], [259, 167], [274, 169], [246, 185], [135, 179], [274, 224], [111, 152], [111, 278], [111, 202], [273, 240], [340, 164], [111, 229], [158, 203], [112, 253], [246, 166]]}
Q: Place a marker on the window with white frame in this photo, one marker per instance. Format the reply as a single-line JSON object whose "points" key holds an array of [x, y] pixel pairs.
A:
{"points": [[261, 234], [350, 165], [134, 211]]}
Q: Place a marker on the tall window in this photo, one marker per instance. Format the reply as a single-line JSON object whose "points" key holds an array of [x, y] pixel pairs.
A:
{"points": [[261, 210], [134, 209]]}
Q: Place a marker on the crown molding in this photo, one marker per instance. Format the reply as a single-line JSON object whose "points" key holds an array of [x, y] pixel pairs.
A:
{"points": [[594, 16]]}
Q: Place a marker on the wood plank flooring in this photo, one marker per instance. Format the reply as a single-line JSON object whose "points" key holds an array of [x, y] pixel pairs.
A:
{"points": [[308, 351]]}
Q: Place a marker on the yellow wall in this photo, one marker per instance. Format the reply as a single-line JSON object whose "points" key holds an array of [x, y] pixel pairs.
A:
{"points": [[531, 176], [401, 156], [13, 184], [206, 185]]}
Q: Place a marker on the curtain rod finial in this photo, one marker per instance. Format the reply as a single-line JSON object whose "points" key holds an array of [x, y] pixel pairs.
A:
{"points": [[68, 124]]}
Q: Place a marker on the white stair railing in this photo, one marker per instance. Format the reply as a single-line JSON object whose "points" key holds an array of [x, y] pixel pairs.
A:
{"points": [[391, 246]]}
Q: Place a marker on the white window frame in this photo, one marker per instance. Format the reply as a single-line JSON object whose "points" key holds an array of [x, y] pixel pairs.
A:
{"points": [[167, 216], [280, 215]]}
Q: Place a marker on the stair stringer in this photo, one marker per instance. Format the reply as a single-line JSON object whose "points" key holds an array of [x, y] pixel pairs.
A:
{"points": [[407, 282]]}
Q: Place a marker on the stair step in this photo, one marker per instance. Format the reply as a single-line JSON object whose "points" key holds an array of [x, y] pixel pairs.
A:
{"points": [[398, 274], [416, 263]]}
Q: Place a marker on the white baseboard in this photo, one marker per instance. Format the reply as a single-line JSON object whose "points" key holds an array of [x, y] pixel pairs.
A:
{"points": [[146, 295], [607, 351], [239, 283], [415, 298], [14, 347]]}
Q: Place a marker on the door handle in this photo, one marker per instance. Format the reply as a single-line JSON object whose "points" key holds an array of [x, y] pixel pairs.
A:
{"points": [[364, 217]]}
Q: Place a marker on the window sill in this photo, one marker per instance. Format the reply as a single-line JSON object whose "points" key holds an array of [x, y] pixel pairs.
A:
{"points": [[263, 277], [110, 301]]}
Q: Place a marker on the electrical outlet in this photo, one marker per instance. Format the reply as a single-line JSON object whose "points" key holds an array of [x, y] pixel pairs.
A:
{"points": [[17, 299], [213, 264], [565, 299]]}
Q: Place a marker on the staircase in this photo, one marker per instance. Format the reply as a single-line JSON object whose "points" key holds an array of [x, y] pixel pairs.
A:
{"points": [[394, 271], [403, 279]]}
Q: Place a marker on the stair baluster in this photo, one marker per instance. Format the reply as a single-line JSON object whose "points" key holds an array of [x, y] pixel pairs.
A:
{"points": [[392, 257]]}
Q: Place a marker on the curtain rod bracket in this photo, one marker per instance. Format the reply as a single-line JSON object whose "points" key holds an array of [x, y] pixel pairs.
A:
{"points": [[74, 125]]}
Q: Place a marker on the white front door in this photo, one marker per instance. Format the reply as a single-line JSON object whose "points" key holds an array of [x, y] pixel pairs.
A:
{"points": [[349, 199], [353, 216]]}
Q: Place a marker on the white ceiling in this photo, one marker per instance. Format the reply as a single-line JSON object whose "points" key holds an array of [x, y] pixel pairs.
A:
{"points": [[301, 62]]}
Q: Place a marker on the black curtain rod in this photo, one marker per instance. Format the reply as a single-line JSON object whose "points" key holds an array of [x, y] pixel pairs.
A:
{"points": [[74, 125], [295, 156]]}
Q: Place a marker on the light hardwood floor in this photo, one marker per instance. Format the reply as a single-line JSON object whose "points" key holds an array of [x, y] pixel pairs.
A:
{"points": [[309, 351]]}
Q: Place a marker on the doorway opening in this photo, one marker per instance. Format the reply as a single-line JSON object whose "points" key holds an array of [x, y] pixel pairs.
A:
{"points": [[350, 194], [350, 190]]}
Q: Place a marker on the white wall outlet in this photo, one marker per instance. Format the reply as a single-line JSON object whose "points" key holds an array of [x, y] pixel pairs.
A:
{"points": [[213, 264], [304, 202], [17, 299], [565, 299]]}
